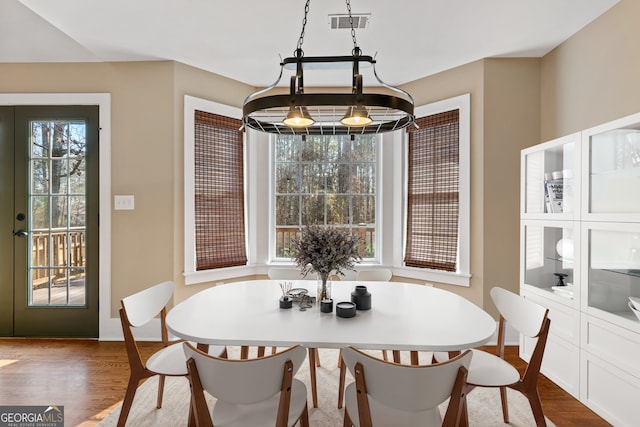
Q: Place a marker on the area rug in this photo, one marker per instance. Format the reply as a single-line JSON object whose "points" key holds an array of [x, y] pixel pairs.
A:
{"points": [[484, 404]]}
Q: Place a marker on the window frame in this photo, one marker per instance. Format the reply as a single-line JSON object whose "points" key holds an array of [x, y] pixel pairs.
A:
{"points": [[191, 275], [463, 274], [273, 259]]}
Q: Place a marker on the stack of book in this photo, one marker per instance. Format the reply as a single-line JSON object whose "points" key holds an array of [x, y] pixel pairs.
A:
{"points": [[553, 191]]}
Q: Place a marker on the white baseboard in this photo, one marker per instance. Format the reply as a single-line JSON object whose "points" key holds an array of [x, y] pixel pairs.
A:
{"points": [[111, 330]]}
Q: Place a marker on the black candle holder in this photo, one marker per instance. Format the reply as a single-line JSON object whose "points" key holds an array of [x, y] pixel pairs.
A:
{"points": [[286, 302], [326, 305], [345, 309]]}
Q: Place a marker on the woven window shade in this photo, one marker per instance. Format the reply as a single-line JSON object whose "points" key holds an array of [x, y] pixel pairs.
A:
{"points": [[219, 192], [433, 187]]}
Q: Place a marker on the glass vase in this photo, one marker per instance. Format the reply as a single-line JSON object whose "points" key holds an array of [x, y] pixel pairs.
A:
{"points": [[324, 288]]}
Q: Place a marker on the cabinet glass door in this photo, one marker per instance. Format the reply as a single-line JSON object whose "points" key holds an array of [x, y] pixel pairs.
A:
{"points": [[549, 263], [613, 269], [614, 171]]}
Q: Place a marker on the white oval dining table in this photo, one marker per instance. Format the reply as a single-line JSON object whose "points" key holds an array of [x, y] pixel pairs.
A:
{"points": [[403, 316]]}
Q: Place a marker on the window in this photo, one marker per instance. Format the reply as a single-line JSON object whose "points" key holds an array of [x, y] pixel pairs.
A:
{"points": [[358, 184], [215, 231], [437, 201], [433, 191], [327, 180], [219, 192]]}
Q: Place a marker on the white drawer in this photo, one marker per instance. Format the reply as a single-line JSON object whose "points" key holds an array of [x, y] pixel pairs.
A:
{"points": [[609, 391], [565, 321], [616, 345]]}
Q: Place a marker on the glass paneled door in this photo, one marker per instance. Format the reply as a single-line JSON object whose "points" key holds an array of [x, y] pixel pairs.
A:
{"points": [[55, 221]]}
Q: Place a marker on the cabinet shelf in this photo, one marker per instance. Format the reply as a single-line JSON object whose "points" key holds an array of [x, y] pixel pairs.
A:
{"points": [[565, 260], [633, 273]]}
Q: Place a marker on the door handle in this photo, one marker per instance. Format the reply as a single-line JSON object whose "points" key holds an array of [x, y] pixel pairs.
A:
{"points": [[20, 233]]}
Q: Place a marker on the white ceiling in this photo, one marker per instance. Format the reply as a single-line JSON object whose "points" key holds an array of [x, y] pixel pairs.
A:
{"points": [[244, 40]]}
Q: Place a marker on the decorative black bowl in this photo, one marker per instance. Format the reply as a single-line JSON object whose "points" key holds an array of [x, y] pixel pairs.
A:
{"points": [[345, 309]]}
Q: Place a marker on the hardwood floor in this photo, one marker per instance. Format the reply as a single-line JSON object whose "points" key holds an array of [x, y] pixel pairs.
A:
{"points": [[89, 379]]}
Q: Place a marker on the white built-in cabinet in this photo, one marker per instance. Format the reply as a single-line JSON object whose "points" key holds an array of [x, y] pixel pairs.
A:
{"points": [[580, 258]]}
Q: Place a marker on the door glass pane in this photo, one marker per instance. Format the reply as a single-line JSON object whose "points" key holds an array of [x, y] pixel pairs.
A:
{"points": [[39, 212], [57, 205]]}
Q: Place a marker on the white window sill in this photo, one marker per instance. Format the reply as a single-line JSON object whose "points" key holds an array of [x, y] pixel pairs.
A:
{"points": [[457, 279], [195, 277]]}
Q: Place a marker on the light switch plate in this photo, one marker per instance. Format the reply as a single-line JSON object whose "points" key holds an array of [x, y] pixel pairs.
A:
{"points": [[123, 203]]}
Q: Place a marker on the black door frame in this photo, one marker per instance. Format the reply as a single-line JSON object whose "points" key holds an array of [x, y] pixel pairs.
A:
{"points": [[108, 325]]}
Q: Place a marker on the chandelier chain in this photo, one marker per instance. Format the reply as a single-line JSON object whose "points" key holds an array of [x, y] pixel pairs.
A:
{"points": [[304, 24], [324, 113], [353, 31]]}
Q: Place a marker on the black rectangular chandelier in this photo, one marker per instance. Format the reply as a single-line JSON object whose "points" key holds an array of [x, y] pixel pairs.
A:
{"points": [[354, 113]]}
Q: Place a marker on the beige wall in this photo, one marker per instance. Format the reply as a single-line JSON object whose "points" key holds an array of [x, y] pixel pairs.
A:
{"points": [[593, 77], [511, 123]]}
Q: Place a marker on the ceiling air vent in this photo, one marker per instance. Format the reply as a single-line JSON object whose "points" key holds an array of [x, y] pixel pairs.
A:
{"points": [[339, 21]]}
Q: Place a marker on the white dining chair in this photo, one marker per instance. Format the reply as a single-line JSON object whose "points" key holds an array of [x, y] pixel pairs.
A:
{"points": [[249, 392], [391, 394], [138, 310], [375, 275], [379, 274], [491, 370], [283, 273]]}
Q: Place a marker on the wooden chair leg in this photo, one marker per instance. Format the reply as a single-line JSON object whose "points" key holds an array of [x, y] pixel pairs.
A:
{"points": [[312, 370], [385, 357], [317, 358], [505, 404], [340, 358], [304, 418], [415, 360], [244, 352], [160, 391], [347, 420], [128, 401], [455, 410], [261, 350], [396, 356], [198, 404], [464, 418], [192, 414], [343, 374], [536, 408]]}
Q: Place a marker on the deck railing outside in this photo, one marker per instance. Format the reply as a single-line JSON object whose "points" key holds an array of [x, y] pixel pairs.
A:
{"points": [[284, 236], [67, 256]]}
